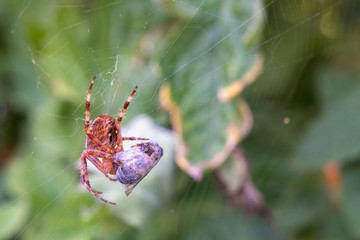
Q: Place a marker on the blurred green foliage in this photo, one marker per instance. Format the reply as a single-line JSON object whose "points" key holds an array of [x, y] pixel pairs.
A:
{"points": [[305, 106]]}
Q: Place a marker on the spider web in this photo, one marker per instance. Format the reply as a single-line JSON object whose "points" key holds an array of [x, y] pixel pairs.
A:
{"points": [[62, 44]]}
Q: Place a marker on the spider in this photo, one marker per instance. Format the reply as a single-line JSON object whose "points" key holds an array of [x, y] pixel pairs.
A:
{"points": [[104, 141]]}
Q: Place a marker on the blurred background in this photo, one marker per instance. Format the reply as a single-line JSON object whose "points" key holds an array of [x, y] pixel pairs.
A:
{"points": [[256, 104]]}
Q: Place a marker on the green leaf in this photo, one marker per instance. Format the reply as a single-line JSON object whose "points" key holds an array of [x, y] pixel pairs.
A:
{"points": [[13, 216], [351, 197], [335, 133], [232, 224], [212, 53]]}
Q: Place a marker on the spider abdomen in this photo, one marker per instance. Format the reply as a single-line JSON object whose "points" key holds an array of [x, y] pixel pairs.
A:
{"points": [[135, 163], [104, 129]]}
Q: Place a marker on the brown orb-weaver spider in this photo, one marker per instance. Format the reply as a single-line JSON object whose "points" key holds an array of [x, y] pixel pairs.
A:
{"points": [[104, 140]]}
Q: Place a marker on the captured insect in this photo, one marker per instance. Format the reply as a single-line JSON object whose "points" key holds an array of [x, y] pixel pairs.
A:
{"points": [[104, 149]]}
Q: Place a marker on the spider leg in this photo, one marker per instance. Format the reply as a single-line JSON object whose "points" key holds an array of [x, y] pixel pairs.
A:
{"points": [[87, 120], [121, 115], [85, 180], [134, 138], [126, 106], [85, 175], [97, 163], [105, 166]]}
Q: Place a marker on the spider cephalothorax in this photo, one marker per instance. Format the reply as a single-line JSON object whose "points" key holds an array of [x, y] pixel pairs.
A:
{"points": [[104, 148], [105, 130]]}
